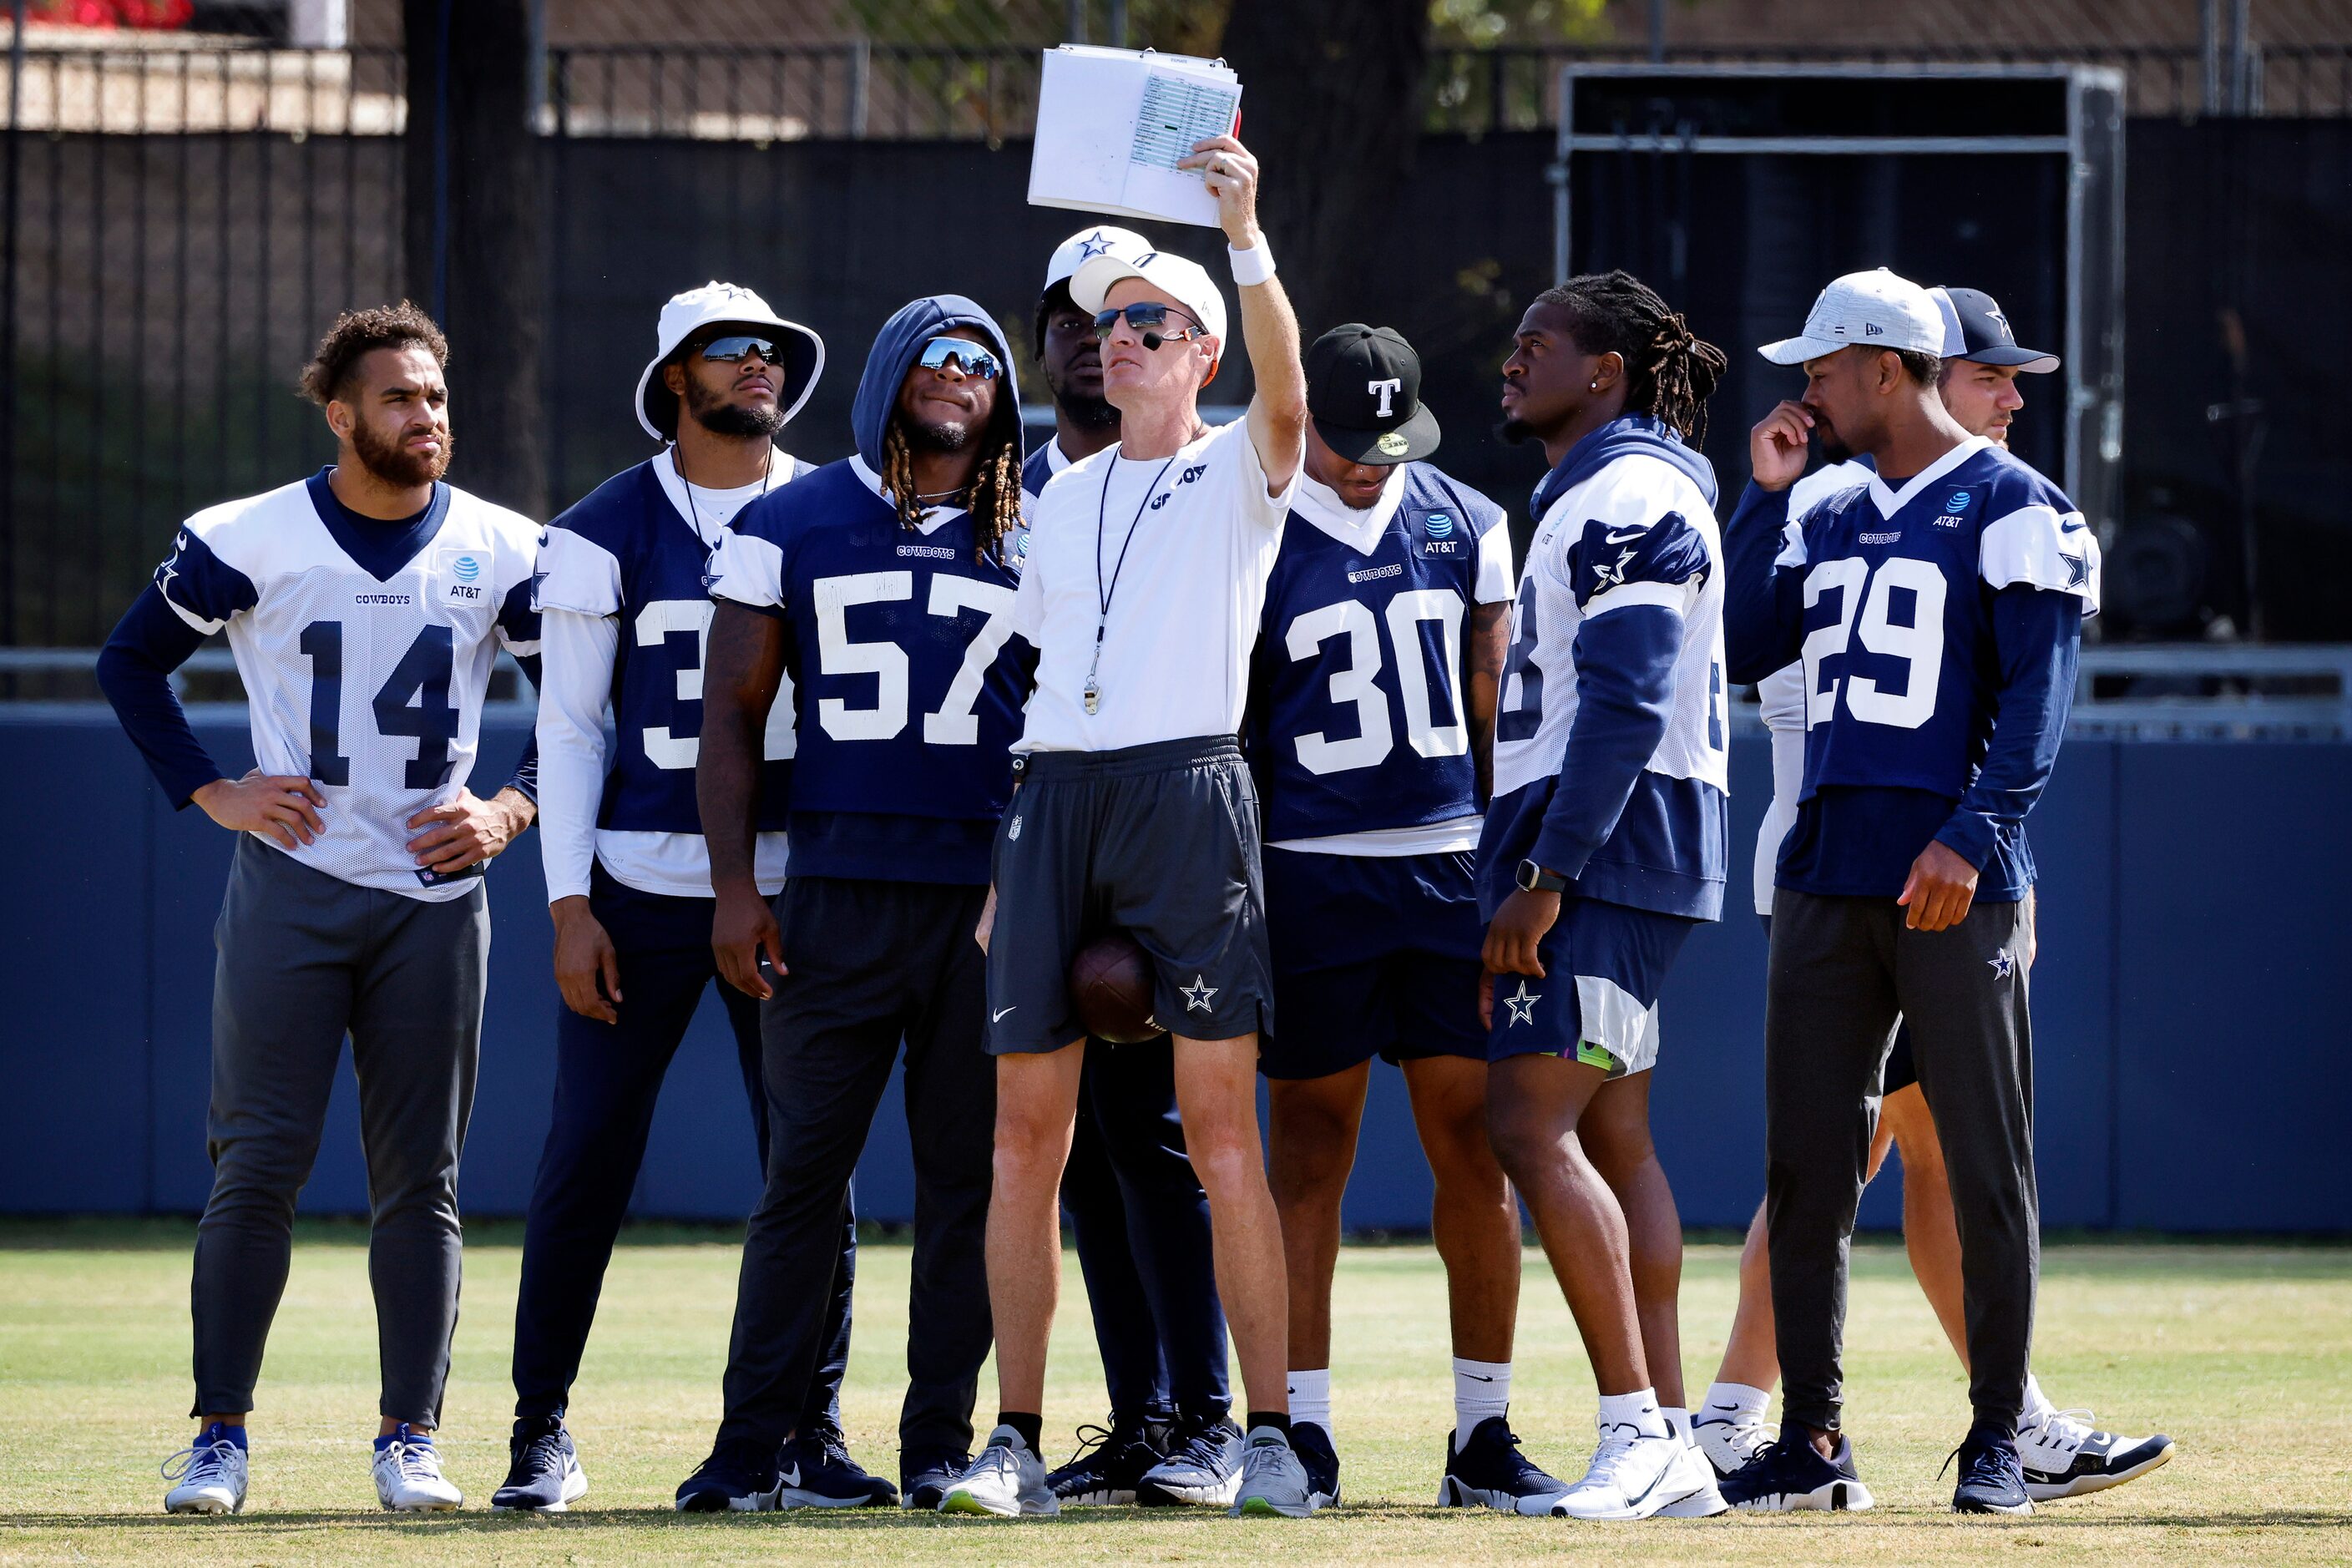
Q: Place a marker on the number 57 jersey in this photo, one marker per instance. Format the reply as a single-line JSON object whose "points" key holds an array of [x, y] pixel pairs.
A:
{"points": [[365, 649], [906, 675]]}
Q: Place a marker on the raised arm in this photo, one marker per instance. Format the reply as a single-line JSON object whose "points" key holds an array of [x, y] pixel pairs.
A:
{"points": [[1278, 414], [742, 670]]}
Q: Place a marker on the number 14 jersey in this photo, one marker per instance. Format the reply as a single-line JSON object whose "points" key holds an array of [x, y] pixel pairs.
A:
{"points": [[365, 649]]}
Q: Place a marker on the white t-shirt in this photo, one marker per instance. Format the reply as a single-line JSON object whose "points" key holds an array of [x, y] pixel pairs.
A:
{"points": [[1782, 695], [1199, 532]]}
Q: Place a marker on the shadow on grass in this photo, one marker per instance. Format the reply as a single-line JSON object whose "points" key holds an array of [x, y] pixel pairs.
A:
{"points": [[607, 1520]]}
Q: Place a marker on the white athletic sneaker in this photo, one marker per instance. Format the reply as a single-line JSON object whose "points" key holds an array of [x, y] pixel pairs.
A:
{"points": [[2064, 1457], [1008, 1479], [1203, 1466], [408, 1477], [1628, 1477], [1273, 1481], [1730, 1438], [208, 1476], [1689, 1488]]}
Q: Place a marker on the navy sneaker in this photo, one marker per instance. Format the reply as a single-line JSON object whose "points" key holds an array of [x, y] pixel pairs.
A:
{"points": [[1109, 1465], [543, 1473], [1313, 1446], [1204, 1465], [815, 1470], [1789, 1476], [1992, 1477], [923, 1483], [740, 1475], [1489, 1471]]}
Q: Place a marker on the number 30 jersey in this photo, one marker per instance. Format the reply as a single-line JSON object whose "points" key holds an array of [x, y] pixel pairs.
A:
{"points": [[365, 649], [1358, 732], [907, 677]]}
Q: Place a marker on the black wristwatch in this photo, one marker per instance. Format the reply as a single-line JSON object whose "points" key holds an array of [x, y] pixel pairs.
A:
{"points": [[1534, 879]]}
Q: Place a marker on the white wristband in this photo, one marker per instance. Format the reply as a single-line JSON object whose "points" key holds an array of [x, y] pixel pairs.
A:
{"points": [[1251, 267]]}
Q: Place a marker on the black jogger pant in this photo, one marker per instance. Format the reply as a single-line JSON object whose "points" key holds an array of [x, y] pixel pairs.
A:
{"points": [[1843, 969], [870, 963]]}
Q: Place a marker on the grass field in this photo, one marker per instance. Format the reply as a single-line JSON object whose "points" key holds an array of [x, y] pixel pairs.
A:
{"points": [[2243, 1354]]}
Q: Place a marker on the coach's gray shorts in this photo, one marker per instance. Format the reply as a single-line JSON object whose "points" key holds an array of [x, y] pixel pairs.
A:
{"points": [[1160, 841]]}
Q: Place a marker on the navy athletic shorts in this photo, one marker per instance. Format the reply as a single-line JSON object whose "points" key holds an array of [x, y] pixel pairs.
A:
{"points": [[1374, 955], [1597, 1002]]}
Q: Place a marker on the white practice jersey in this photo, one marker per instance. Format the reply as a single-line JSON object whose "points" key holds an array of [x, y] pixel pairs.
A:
{"points": [[365, 649]]}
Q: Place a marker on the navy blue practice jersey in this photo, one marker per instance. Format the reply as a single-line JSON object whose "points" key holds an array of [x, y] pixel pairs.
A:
{"points": [[626, 551], [907, 678], [1356, 721]]}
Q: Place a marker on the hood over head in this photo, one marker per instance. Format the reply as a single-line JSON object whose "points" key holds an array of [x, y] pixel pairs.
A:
{"points": [[1623, 436], [896, 347]]}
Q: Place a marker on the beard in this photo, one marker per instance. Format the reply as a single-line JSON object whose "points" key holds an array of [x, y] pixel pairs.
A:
{"points": [[948, 435], [388, 461], [720, 417], [1087, 412], [1833, 449], [1515, 431]]}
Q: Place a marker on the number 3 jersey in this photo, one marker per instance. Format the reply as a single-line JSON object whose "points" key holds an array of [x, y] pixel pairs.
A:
{"points": [[365, 649], [1609, 734], [1357, 730], [907, 677], [627, 556], [1937, 626]]}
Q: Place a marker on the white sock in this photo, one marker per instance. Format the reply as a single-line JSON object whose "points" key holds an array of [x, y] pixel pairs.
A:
{"points": [[1677, 1423], [1481, 1389], [1638, 1410], [1311, 1397], [2037, 1403], [1740, 1401]]}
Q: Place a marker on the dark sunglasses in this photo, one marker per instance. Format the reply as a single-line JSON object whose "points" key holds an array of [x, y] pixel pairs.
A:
{"points": [[975, 362], [1151, 318], [743, 346]]}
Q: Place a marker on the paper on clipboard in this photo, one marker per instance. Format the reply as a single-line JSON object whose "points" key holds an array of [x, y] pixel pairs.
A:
{"points": [[1112, 123]]}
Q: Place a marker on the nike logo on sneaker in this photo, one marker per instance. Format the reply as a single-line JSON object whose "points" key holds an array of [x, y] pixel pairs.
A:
{"points": [[993, 1017]]}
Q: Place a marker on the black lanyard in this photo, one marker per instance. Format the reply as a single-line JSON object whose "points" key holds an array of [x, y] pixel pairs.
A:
{"points": [[1104, 591]]}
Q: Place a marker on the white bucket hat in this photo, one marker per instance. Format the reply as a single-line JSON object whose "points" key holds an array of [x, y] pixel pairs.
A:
{"points": [[725, 304]]}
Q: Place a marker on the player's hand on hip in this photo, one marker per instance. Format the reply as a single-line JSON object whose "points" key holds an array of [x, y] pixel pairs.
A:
{"points": [[587, 970], [1517, 930], [742, 933], [284, 806], [981, 931], [1777, 446], [1939, 889], [466, 832], [1230, 171], [1486, 998]]}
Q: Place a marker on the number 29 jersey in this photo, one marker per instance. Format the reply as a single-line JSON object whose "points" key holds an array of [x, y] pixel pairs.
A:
{"points": [[1356, 720], [365, 649]]}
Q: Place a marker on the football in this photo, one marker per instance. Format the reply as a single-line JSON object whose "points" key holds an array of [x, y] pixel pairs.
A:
{"points": [[1112, 982]]}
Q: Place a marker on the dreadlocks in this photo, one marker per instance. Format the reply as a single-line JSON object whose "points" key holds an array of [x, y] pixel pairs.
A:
{"points": [[994, 497], [1669, 372]]}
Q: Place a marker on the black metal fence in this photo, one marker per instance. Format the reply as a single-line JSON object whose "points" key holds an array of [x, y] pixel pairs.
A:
{"points": [[181, 223]]}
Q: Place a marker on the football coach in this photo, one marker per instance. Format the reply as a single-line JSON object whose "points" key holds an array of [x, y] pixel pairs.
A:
{"points": [[1142, 590]]}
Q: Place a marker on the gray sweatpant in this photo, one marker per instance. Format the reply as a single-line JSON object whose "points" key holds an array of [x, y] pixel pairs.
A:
{"points": [[304, 958], [1842, 971]]}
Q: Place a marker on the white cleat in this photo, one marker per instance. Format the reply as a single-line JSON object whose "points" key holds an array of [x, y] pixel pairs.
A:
{"points": [[2064, 1456], [1629, 1478], [1689, 1489], [1008, 1480], [1274, 1482], [207, 1477], [408, 1478]]}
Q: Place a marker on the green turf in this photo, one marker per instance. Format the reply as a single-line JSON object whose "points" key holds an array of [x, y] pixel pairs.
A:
{"points": [[2243, 1353]]}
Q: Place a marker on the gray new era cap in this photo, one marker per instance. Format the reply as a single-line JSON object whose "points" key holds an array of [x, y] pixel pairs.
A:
{"points": [[1873, 310]]}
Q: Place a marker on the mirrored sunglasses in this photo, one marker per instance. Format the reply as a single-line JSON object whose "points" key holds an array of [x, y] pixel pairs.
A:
{"points": [[741, 346], [974, 361], [1151, 317]]}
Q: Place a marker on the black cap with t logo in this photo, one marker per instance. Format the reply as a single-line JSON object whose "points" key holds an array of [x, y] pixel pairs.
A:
{"points": [[1363, 391]]}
